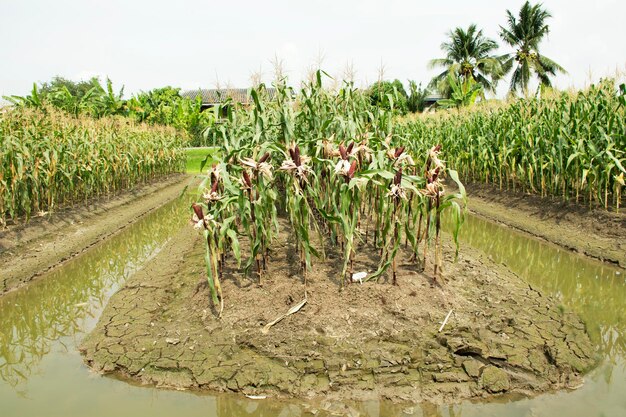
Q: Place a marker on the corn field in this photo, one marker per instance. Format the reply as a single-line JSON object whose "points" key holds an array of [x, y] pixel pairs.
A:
{"points": [[571, 146], [49, 159], [332, 165]]}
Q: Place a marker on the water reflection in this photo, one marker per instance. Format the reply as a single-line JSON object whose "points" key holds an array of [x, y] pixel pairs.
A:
{"points": [[39, 320], [67, 300], [596, 291], [231, 406]]}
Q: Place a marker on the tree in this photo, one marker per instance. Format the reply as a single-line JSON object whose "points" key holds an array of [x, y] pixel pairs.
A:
{"points": [[34, 100], [417, 95], [469, 54], [111, 103], [75, 97], [388, 94], [464, 92], [525, 33], [77, 89], [166, 106], [155, 106]]}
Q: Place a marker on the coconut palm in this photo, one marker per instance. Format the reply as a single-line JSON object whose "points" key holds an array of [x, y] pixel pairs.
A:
{"points": [[468, 54], [525, 33]]}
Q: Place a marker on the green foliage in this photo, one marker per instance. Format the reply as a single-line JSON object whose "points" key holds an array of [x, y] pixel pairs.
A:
{"points": [[49, 159], [156, 106], [525, 33], [83, 97], [389, 95], [78, 89], [417, 95], [165, 106], [335, 167], [567, 145], [463, 92], [469, 54], [161, 106]]}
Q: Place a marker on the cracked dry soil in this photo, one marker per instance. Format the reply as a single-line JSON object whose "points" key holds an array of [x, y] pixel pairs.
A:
{"points": [[372, 340]]}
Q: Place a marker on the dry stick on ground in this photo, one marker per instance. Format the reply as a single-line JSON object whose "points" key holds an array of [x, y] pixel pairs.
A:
{"points": [[291, 311], [445, 321]]}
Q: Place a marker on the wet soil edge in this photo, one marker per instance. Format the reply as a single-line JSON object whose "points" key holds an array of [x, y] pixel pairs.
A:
{"points": [[594, 232], [27, 251]]}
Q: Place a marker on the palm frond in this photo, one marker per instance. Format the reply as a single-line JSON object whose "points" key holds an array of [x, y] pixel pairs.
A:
{"points": [[516, 80], [439, 62], [550, 65], [468, 51], [525, 32]]}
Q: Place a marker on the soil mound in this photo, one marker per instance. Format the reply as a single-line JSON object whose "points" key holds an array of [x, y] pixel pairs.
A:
{"points": [[369, 340]]}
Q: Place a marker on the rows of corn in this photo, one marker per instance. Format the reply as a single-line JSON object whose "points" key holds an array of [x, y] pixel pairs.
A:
{"points": [[49, 159], [352, 176], [568, 145], [330, 164]]}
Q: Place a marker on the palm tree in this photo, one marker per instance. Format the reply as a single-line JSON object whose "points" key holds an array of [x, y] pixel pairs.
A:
{"points": [[468, 54], [524, 34]]}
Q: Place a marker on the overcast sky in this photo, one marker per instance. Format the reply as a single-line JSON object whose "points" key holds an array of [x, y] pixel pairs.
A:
{"points": [[144, 44]]}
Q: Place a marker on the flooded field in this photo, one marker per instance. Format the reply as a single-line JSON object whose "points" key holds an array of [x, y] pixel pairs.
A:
{"points": [[42, 372]]}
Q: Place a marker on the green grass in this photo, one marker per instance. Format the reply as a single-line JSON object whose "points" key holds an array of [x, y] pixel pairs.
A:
{"points": [[195, 156]]}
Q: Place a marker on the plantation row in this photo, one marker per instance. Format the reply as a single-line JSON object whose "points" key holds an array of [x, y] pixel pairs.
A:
{"points": [[333, 165], [344, 171], [567, 145], [50, 159]]}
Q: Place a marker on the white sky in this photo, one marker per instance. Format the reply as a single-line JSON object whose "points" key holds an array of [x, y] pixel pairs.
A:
{"points": [[145, 44]]}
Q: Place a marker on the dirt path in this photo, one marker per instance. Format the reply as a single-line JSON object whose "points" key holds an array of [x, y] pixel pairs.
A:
{"points": [[373, 340], [597, 233], [27, 251]]}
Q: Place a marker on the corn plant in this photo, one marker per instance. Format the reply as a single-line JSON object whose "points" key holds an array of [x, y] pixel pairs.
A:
{"points": [[335, 167], [298, 177], [258, 205], [393, 206], [217, 221], [566, 145], [51, 160], [345, 197]]}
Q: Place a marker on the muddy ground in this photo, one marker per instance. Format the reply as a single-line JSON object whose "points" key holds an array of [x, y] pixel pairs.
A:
{"points": [[28, 250], [596, 232], [372, 340]]}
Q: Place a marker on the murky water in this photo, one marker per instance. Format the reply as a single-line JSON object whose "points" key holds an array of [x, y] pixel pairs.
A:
{"points": [[596, 291], [42, 374]]}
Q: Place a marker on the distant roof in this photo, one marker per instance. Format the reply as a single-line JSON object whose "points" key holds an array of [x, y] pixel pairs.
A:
{"points": [[219, 95], [433, 98]]}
